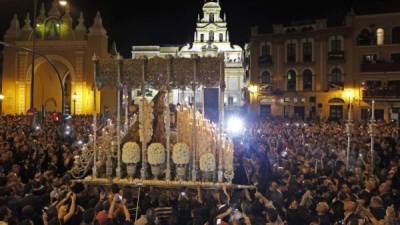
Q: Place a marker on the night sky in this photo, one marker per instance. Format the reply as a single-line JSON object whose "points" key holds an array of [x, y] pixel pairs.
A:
{"points": [[169, 22]]}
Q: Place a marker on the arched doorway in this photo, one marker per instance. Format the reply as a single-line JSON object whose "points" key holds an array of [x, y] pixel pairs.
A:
{"points": [[47, 84], [336, 109]]}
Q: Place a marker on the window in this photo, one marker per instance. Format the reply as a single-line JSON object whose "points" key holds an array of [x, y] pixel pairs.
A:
{"points": [[291, 52], [230, 100], [307, 80], [266, 77], [365, 38], [211, 18], [265, 50], [211, 34], [221, 37], [396, 35], [291, 80], [307, 51], [202, 37], [380, 36], [335, 79], [336, 45], [52, 29]]}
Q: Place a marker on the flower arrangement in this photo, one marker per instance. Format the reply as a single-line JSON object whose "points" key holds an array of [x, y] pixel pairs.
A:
{"points": [[207, 162], [180, 154], [156, 154], [130, 153]]}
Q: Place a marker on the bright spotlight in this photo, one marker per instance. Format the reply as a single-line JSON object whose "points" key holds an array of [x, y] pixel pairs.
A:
{"points": [[37, 127], [235, 125]]}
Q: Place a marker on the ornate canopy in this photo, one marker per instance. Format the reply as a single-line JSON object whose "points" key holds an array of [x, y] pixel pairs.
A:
{"points": [[161, 72]]}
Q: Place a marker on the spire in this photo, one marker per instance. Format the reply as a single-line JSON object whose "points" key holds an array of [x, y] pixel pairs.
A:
{"points": [[27, 25], [54, 9], [198, 17], [225, 17], [80, 29], [66, 18], [14, 29], [97, 27], [113, 50], [81, 23], [42, 15]]}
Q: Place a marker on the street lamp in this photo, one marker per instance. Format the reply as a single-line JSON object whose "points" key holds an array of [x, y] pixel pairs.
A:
{"points": [[349, 126], [74, 98], [1, 103], [253, 89], [63, 3]]}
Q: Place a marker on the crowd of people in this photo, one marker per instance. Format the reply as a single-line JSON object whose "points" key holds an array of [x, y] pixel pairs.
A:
{"points": [[299, 171]]}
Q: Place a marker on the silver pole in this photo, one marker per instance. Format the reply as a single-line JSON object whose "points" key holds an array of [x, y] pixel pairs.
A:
{"points": [[126, 103], [119, 61], [194, 131], [167, 121], [95, 70], [143, 172], [349, 127], [372, 134], [221, 119]]}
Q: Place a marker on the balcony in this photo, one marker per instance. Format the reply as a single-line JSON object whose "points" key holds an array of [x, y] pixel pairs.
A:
{"points": [[265, 60], [380, 66], [336, 85], [337, 56], [291, 59], [382, 93]]}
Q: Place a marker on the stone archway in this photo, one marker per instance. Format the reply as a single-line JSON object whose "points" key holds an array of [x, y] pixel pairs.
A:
{"points": [[47, 84]]}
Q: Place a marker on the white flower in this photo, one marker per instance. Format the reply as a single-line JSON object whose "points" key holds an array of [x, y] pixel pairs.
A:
{"points": [[181, 154], [207, 162], [156, 154], [131, 153]]}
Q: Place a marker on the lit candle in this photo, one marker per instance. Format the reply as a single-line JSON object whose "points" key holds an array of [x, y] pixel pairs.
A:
{"points": [[373, 110]]}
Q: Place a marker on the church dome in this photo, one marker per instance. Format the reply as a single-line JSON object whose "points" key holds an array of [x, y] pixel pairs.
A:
{"points": [[211, 4]]}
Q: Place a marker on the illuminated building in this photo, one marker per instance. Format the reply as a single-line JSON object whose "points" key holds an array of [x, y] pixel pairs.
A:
{"points": [[70, 48], [304, 70], [211, 38]]}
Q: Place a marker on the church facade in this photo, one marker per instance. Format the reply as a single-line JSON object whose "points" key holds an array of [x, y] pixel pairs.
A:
{"points": [[69, 50], [211, 39]]}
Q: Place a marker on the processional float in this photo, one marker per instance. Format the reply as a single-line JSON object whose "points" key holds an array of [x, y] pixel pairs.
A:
{"points": [[147, 151]]}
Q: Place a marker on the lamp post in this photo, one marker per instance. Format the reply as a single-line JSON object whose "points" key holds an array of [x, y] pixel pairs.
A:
{"points": [[372, 134], [349, 127], [35, 2], [1, 103], [74, 98]]}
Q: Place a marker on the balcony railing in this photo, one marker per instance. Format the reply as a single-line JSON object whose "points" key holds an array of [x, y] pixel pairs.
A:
{"points": [[265, 60], [335, 85], [380, 66], [291, 59], [385, 92], [336, 56]]}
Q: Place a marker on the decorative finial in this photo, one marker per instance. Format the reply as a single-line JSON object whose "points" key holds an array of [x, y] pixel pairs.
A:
{"points": [[97, 27], [81, 23], [113, 50], [54, 9], [14, 29], [27, 25]]}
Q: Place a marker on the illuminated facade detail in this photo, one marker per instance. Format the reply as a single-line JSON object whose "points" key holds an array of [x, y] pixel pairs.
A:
{"points": [[211, 38], [70, 48], [305, 70]]}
